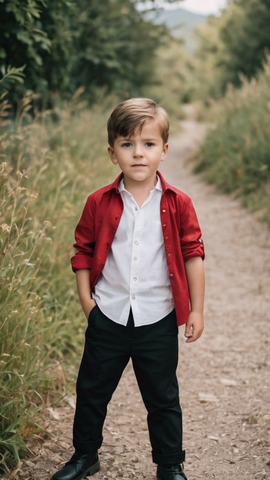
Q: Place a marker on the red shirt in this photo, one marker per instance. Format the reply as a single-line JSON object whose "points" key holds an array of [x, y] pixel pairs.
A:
{"points": [[96, 229]]}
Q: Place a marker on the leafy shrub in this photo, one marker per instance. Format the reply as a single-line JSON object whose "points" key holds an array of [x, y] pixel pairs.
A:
{"points": [[235, 155]]}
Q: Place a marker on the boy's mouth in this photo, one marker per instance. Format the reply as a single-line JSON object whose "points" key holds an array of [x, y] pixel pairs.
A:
{"points": [[138, 165]]}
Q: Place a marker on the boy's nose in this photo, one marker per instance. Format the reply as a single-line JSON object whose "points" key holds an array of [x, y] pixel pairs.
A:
{"points": [[137, 151]]}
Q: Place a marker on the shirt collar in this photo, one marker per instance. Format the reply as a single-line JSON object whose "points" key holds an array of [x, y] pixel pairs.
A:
{"points": [[121, 186], [164, 185]]}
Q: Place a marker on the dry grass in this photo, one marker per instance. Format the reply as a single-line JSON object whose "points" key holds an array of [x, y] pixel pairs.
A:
{"points": [[235, 155], [48, 168]]}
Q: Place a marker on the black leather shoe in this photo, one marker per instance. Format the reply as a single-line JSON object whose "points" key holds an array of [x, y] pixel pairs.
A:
{"points": [[170, 472], [80, 465]]}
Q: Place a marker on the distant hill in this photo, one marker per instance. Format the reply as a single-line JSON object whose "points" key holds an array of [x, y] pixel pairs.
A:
{"points": [[181, 22]]}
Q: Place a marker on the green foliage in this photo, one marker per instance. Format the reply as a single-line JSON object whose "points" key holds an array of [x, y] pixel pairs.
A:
{"points": [[209, 74], [57, 73], [246, 36], [64, 45], [115, 46], [174, 80], [47, 171], [13, 75], [231, 46], [22, 39], [235, 155]]}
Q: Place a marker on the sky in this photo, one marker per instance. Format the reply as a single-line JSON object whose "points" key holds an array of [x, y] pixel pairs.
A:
{"points": [[206, 7]]}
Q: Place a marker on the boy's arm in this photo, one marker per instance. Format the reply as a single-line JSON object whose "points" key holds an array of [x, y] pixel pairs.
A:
{"points": [[84, 290], [195, 278]]}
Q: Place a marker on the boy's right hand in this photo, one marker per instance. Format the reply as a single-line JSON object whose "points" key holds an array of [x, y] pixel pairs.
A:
{"points": [[84, 290], [89, 307]]}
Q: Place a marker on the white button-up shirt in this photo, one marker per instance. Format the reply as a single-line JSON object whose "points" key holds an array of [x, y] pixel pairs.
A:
{"points": [[136, 273]]}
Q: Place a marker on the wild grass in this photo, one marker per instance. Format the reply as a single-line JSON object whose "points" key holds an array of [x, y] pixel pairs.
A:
{"points": [[48, 166], [235, 155]]}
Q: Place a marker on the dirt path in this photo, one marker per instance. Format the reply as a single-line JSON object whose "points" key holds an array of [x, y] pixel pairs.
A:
{"points": [[224, 377]]}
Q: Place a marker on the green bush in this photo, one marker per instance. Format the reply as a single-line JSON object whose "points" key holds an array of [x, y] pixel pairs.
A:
{"points": [[62, 45], [230, 46], [236, 155]]}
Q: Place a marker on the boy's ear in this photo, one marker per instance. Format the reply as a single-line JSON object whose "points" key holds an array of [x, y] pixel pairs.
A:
{"points": [[112, 155], [165, 151]]}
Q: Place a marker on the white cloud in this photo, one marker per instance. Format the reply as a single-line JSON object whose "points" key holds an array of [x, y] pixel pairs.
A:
{"points": [[206, 7]]}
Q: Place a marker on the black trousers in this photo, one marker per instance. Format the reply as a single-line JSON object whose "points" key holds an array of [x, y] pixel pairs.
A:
{"points": [[154, 353]]}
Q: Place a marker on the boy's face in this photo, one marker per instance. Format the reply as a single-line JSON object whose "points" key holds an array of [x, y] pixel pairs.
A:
{"points": [[139, 155]]}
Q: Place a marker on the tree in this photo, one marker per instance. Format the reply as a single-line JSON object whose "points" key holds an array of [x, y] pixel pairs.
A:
{"points": [[63, 45], [115, 46], [211, 75], [232, 46], [22, 39], [246, 36]]}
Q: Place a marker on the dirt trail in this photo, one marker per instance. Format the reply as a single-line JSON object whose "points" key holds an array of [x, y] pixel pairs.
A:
{"points": [[224, 377]]}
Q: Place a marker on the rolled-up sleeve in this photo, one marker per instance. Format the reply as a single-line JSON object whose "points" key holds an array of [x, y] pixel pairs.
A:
{"points": [[85, 238], [190, 233]]}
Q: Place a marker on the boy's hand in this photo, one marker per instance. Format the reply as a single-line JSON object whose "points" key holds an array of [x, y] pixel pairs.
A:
{"points": [[88, 307], [195, 278], [84, 290], [194, 326]]}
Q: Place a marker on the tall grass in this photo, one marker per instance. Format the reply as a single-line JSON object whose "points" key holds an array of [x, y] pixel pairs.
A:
{"points": [[236, 154], [49, 165]]}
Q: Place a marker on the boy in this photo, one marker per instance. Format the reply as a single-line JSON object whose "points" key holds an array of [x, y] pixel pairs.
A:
{"points": [[139, 274]]}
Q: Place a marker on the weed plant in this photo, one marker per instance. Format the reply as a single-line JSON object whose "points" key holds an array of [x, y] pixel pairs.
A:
{"points": [[50, 163], [236, 154]]}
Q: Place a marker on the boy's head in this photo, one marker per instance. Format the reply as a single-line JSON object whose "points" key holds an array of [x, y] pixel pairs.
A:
{"points": [[130, 116]]}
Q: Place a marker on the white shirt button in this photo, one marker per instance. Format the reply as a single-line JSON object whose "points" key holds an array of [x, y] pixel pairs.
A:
{"points": [[133, 297], [136, 242], [135, 279], [135, 259], [136, 209]]}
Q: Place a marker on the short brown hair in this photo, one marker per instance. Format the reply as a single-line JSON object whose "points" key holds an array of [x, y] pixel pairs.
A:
{"points": [[131, 115]]}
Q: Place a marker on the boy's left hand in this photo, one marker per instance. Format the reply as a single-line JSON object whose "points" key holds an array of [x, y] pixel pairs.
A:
{"points": [[194, 326]]}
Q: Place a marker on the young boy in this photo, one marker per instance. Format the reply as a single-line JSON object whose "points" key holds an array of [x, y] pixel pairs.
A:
{"points": [[139, 274]]}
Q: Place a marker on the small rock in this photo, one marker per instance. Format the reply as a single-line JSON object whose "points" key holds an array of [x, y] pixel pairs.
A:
{"points": [[212, 437], [207, 397], [228, 382]]}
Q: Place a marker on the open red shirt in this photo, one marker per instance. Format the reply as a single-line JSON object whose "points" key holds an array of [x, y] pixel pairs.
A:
{"points": [[96, 229]]}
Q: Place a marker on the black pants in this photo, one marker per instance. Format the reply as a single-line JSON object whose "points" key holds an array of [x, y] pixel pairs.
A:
{"points": [[154, 353]]}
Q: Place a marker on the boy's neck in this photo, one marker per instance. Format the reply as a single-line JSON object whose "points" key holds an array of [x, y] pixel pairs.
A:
{"points": [[140, 190]]}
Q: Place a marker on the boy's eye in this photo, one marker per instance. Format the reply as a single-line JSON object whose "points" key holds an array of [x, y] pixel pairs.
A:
{"points": [[126, 144], [149, 144]]}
